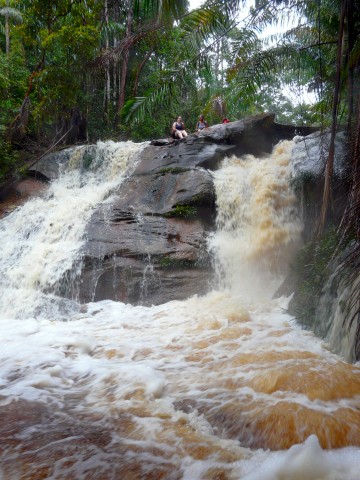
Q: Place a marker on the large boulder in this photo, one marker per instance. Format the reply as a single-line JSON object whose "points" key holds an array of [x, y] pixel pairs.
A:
{"points": [[147, 243], [310, 153], [50, 166], [308, 160], [323, 281]]}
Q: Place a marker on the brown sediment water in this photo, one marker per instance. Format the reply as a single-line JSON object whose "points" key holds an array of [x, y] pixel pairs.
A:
{"points": [[221, 387]]}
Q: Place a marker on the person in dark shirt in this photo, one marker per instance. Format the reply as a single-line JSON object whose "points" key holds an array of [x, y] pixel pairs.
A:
{"points": [[178, 129]]}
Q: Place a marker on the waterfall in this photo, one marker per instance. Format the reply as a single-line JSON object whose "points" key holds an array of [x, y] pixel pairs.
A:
{"points": [[258, 227], [221, 386], [41, 241]]}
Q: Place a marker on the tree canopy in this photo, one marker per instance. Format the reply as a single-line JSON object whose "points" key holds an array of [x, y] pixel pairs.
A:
{"points": [[79, 70], [119, 62]]}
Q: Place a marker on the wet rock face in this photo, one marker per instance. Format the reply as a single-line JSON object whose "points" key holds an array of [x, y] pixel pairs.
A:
{"points": [[310, 153], [326, 308], [20, 192], [50, 166], [146, 262], [308, 160], [148, 245]]}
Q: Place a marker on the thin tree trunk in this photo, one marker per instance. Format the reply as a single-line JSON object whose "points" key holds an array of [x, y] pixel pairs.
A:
{"points": [[320, 86], [330, 159], [350, 37], [108, 87], [7, 31], [107, 66], [114, 81], [351, 219], [141, 66], [125, 60]]}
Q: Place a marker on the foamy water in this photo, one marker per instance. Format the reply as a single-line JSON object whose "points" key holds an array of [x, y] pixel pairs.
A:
{"points": [[41, 240], [226, 386], [257, 223]]}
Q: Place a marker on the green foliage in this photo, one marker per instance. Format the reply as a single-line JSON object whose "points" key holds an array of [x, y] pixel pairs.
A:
{"points": [[311, 271], [8, 159], [150, 127], [207, 62], [12, 13], [182, 211], [171, 263], [13, 78]]}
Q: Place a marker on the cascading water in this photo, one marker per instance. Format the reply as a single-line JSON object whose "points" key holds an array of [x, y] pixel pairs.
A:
{"points": [[257, 222], [225, 386], [41, 241]]}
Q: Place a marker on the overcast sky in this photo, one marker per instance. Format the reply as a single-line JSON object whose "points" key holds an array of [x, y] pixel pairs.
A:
{"points": [[195, 4]]}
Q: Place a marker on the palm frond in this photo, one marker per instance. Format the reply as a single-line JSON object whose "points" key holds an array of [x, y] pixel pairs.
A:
{"points": [[201, 27], [111, 29], [137, 108], [225, 7], [250, 71], [161, 9], [244, 42], [12, 13], [204, 22]]}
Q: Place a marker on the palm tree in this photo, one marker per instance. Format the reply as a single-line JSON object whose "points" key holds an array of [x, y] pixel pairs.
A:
{"points": [[137, 23], [9, 14]]}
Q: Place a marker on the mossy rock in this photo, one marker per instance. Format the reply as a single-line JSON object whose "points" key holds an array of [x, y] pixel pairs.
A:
{"points": [[175, 263], [172, 170], [182, 211]]}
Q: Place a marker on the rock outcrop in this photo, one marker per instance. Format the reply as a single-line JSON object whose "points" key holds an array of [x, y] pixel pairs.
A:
{"points": [[148, 245], [309, 157], [323, 281]]}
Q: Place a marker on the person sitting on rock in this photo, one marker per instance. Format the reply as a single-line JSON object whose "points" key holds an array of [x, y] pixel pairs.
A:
{"points": [[178, 129], [201, 124]]}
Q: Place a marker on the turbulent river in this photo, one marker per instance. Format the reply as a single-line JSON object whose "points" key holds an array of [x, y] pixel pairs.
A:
{"points": [[225, 386]]}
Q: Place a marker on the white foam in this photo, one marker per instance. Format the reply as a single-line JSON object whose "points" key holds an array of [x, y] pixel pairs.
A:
{"points": [[41, 240], [306, 461], [181, 374]]}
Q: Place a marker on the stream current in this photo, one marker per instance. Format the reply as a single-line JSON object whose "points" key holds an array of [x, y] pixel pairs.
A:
{"points": [[221, 387]]}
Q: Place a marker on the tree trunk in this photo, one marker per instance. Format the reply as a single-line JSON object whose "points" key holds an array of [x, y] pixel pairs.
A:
{"points": [[125, 60], [350, 37], [107, 92], [7, 31], [141, 66], [330, 160]]}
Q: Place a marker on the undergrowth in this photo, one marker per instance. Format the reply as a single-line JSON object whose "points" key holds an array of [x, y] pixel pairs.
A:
{"points": [[311, 269]]}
